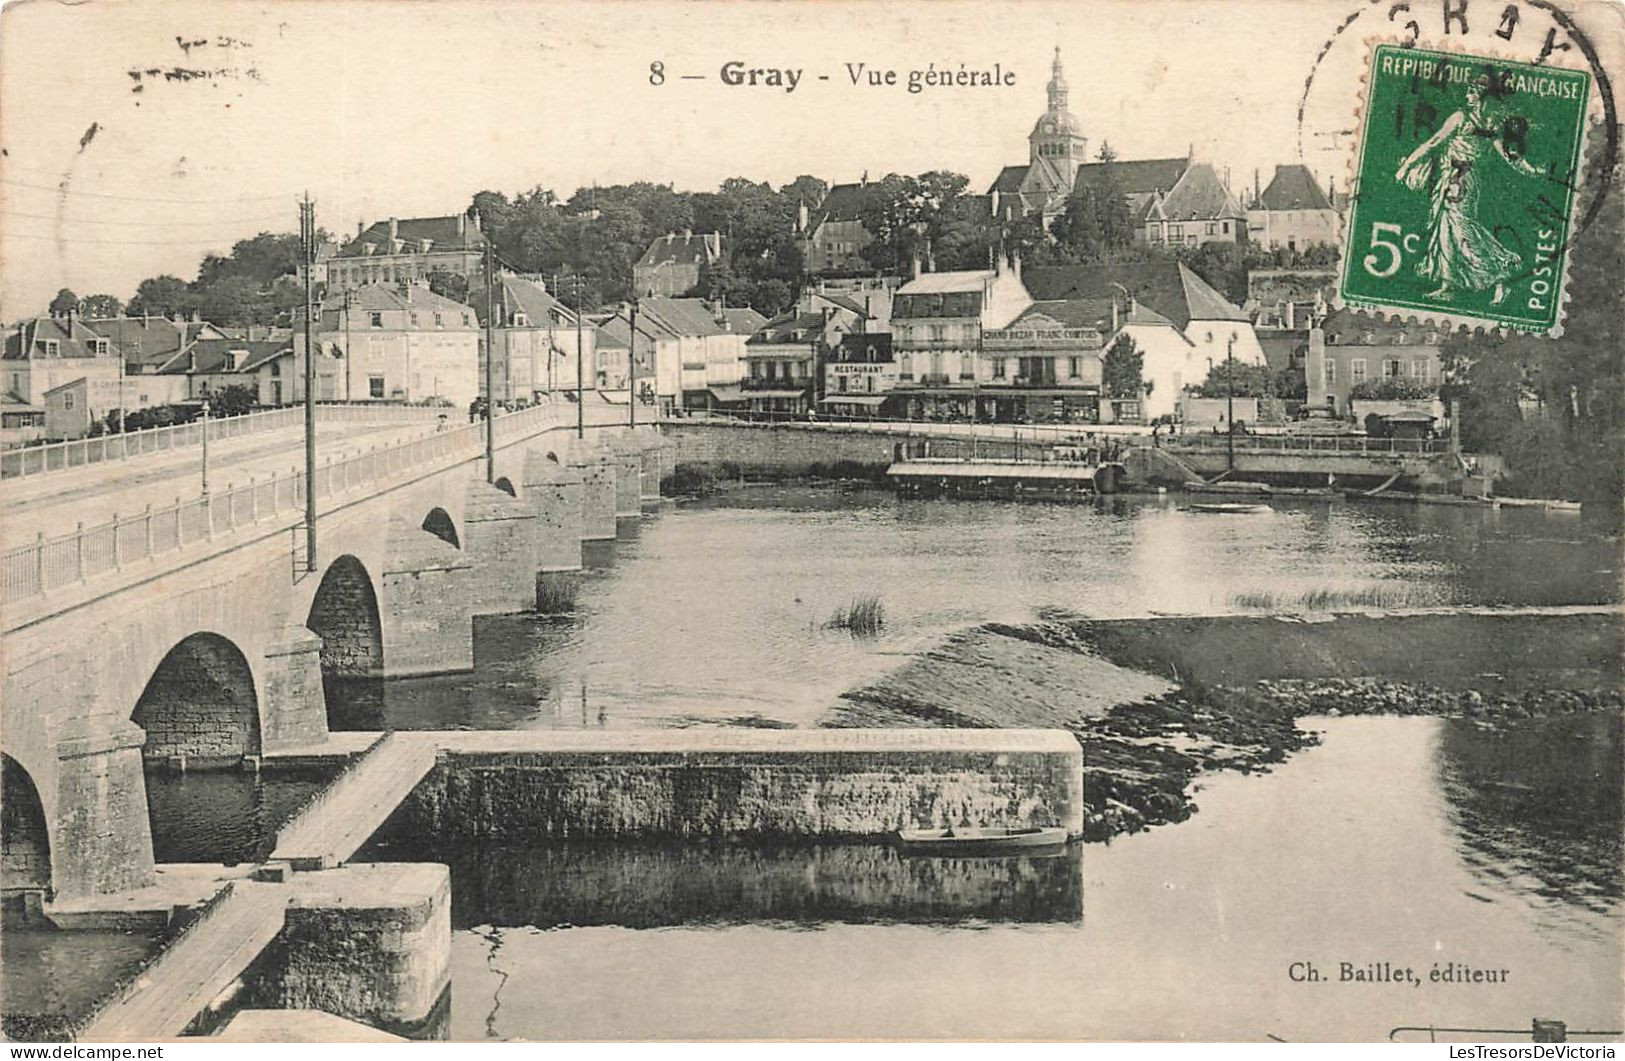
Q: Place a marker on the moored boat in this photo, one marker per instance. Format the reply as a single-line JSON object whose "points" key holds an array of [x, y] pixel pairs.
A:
{"points": [[972, 840], [1229, 507]]}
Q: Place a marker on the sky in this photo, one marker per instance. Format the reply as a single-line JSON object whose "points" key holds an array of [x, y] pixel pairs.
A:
{"points": [[139, 135]]}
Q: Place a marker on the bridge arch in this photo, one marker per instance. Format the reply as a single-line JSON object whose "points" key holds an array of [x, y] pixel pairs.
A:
{"points": [[440, 524], [25, 841], [344, 614], [200, 703]]}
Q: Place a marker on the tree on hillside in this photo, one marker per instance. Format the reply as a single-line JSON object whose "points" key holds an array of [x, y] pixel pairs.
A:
{"points": [[100, 306], [1122, 369], [65, 303], [454, 286], [1221, 265], [806, 189], [164, 296]]}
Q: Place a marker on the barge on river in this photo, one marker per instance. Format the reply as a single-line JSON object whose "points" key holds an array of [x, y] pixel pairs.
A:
{"points": [[1059, 477]]}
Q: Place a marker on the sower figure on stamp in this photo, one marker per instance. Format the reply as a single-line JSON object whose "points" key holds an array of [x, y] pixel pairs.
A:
{"points": [[1461, 252]]}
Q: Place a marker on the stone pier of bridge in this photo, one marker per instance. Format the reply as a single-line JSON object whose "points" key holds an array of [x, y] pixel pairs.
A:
{"points": [[222, 650]]}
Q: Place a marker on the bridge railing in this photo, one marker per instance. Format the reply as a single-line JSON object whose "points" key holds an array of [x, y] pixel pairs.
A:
{"points": [[88, 552], [60, 456], [1309, 443]]}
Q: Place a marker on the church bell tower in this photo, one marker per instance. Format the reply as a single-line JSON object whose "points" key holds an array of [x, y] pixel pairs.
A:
{"points": [[1057, 138]]}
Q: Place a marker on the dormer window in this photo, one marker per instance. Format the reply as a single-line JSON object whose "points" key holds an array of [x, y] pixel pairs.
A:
{"points": [[520, 320], [52, 347], [98, 347], [369, 248], [466, 322], [1368, 338], [396, 245], [234, 359], [424, 245], [376, 319]]}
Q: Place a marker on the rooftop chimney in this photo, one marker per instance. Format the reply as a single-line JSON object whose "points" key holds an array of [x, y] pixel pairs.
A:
{"points": [[462, 224], [394, 228], [1116, 316], [916, 263], [360, 227]]}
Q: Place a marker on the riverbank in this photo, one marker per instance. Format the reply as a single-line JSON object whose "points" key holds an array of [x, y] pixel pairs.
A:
{"points": [[1158, 702]]}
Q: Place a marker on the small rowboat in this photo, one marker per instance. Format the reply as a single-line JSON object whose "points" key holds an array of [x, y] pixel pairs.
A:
{"points": [[979, 841], [1229, 507]]}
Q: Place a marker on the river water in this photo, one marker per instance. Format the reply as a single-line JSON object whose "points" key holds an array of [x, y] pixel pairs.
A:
{"points": [[1405, 840]]}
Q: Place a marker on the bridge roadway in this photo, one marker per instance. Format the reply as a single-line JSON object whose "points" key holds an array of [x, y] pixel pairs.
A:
{"points": [[54, 502]]}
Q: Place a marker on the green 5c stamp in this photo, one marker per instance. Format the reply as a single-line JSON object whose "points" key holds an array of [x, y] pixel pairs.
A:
{"points": [[1465, 189]]}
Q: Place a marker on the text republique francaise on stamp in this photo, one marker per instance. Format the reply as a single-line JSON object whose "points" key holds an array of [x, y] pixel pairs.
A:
{"points": [[1465, 189]]}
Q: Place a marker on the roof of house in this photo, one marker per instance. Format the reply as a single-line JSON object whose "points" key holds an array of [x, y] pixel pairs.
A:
{"points": [[1350, 327], [441, 233], [72, 334], [843, 202], [843, 301], [212, 355], [1009, 180], [743, 319], [614, 330], [684, 248], [147, 340], [1170, 291], [379, 296], [520, 295], [791, 327], [1070, 313], [682, 316], [941, 283], [1294, 188], [81, 381], [1199, 194]]}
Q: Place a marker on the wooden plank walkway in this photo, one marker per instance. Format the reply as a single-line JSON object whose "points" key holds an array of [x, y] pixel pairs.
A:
{"points": [[194, 969], [340, 819]]}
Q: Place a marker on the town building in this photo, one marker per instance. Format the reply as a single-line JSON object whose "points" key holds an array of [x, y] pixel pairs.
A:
{"points": [[657, 368], [938, 323], [676, 264], [1351, 352], [1056, 148], [859, 375], [782, 360], [407, 251], [833, 233], [1181, 326], [264, 366], [72, 407], [1044, 366], [1197, 209], [46, 352], [868, 298], [535, 336], [396, 342], [709, 347], [1293, 212]]}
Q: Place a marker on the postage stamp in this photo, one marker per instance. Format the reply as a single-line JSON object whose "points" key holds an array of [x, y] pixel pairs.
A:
{"points": [[1465, 189]]}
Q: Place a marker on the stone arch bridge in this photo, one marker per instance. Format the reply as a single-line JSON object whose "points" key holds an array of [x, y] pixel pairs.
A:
{"points": [[212, 645]]}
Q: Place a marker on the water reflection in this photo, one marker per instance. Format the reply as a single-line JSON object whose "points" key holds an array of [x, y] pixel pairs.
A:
{"points": [[50, 978], [644, 885], [224, 816], [1538, 806], [716, 610]]}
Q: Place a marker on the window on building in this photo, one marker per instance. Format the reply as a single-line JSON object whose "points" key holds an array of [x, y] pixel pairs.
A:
{"points": [[53, 348], [1419, 369], [276, 369], [840, 383], [466, 321], [98, 347], [1074, 367], [1357, 370], [375, 386], [1212, 228], [439, 321], [1227, 228], [1390, 369], [412, 319], [1400, 339], [1176, 231], [998, 368], [375, 320], [937, 333], [67, 400], [1331, 372]]}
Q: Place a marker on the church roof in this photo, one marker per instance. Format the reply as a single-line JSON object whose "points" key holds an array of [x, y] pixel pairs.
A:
{"points": [[1139, 176], [1009, 180], [843, 202], [1294, 188]]}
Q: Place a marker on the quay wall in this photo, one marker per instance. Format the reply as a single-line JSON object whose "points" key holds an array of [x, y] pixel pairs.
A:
{"points": [[777, 448], [781, 785]]}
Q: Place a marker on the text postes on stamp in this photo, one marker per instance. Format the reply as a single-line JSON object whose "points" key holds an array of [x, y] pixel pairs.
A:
{"points": [[1464, 189]]}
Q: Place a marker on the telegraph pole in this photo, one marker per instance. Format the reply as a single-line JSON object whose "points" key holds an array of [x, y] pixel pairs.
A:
{"points": [[490, 361], [1230, 403], [581, 385], [307, 232], [632, 368]]}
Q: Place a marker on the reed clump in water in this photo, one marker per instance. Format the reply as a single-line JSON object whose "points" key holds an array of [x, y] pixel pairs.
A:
{"points": [[863, 617], [1330, 598]]}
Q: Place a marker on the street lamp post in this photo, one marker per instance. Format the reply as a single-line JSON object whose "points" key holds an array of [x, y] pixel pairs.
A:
{"points": [[1230, 404], [632, 367], [205, 447]]}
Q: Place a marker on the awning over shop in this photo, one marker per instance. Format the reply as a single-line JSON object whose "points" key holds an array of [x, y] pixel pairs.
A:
{"points": [[772, 394], [728, 393], [869, 401]]}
